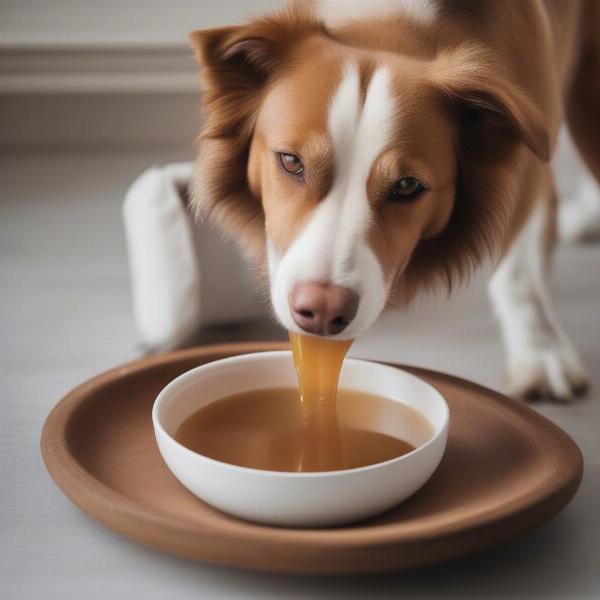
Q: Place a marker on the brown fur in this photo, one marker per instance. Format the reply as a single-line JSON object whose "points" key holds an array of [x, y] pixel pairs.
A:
{"points": [[238, 62], [487, 74]]}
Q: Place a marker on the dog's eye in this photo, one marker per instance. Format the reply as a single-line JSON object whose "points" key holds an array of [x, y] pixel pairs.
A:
{"points": [[291, 163], [406, 189]]}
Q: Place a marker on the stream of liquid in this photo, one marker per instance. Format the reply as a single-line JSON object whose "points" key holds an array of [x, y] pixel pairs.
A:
{"points": [[322, 430], [318, 363]]}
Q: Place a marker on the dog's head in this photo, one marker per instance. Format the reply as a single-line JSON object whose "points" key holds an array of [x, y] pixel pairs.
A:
{"points": [[357, 175]]}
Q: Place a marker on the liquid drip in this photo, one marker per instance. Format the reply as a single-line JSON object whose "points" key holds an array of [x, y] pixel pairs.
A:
{"points": [[318, 363], [323, 431]]}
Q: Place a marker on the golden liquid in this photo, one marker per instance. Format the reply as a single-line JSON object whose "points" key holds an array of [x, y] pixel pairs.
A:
{"points": [[270, 429], [318, 362], [267, 429]]}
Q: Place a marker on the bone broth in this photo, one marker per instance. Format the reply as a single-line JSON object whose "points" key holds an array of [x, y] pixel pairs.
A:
{"points": [[265, 429], [318, 364], [272, 429]]}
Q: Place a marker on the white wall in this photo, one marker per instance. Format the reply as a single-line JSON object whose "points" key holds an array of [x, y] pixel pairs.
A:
{"points": [[117, 22], [105, 72]]}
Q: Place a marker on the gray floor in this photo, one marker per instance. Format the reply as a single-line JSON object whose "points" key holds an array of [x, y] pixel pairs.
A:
{"points": [[64, 314]]}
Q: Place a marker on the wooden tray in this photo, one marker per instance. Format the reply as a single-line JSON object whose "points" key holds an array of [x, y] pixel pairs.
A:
{"points": [[506, 469]]}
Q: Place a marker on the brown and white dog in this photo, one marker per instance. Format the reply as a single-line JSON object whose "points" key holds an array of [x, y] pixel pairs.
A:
{"points": [[365, 151]]}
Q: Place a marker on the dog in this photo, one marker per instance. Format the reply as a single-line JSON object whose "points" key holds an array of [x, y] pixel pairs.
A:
{"points": [[363, 152]]}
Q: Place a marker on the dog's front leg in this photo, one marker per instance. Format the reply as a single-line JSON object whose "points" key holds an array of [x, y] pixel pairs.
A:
{"points": [[541, 359]]}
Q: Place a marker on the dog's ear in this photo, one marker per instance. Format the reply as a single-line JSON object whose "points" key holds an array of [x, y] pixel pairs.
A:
{"points": [[237, 61], [247, 52], [492, 110], [494, 118]]}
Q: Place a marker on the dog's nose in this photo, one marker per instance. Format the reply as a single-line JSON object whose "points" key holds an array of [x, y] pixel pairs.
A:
{"points": [[323, 309]]}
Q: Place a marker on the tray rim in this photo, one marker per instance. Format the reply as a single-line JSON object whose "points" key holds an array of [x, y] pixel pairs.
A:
{"points": [[109, 507]]}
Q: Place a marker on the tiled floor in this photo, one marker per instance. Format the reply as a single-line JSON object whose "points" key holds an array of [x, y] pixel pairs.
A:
{"points": [[64, 316]]}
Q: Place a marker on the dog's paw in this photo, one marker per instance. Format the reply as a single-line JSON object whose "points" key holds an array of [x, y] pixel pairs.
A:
{"points": [[578, 222], [553, 371]]}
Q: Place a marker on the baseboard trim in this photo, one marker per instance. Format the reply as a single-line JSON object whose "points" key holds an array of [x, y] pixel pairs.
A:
{"points": [[78, 69], [98, 95]]}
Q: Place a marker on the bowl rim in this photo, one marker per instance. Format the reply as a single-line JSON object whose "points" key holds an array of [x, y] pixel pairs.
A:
{"points": [[240, 358]]}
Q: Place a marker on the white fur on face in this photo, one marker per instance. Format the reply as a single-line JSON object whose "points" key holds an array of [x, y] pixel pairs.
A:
{"points": [[333, 247], [336, 12]]}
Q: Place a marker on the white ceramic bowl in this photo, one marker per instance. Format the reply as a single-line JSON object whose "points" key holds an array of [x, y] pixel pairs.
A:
{"points": [[299, 499]]}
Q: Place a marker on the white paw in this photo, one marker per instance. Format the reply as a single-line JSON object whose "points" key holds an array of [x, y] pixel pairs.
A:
{"points": [[578, 222], [553, 370]]}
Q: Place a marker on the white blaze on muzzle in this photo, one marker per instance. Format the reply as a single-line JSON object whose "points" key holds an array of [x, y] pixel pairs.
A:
{"points": [[333, 246]]}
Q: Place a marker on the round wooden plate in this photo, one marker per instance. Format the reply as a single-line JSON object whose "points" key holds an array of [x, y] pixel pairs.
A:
{"points": [[506, 469]]}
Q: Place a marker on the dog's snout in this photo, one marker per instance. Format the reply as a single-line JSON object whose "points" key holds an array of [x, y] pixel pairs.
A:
{"points": [[323, 309]]}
